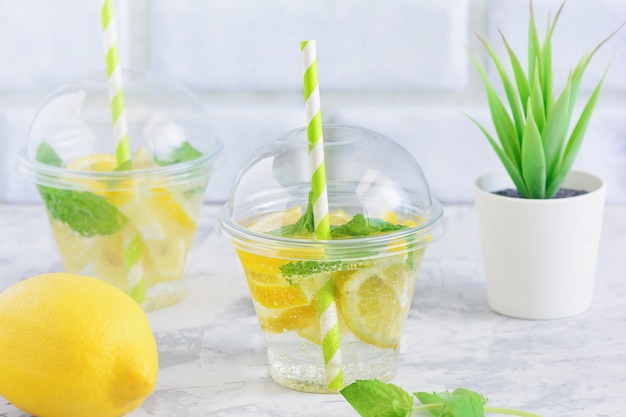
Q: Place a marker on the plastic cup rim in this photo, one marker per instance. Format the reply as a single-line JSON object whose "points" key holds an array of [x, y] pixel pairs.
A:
{"points": [[50, 175]]}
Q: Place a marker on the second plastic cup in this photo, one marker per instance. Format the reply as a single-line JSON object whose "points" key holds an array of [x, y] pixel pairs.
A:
{"points": [[382, 219], [132, 226]]}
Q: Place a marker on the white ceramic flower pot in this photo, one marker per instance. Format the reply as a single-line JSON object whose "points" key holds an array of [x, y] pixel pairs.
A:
{"points": [[540, 255]]}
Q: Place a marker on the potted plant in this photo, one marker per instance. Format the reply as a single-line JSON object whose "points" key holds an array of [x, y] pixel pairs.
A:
{"points": [[540, 221]]}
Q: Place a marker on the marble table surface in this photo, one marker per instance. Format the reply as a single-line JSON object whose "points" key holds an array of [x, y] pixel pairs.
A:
{"points": [[212, 357]]}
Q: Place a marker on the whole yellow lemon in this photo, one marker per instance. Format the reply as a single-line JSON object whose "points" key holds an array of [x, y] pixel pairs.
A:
{"points": [[72, 346]]}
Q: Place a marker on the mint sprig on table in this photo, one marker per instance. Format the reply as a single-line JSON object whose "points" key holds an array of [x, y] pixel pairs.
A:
{"points": [[373, 398]]}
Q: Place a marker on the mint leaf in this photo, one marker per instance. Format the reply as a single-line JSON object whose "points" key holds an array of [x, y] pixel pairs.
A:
{"points": [[373, 398], [461, 402], [361, 226], [432, 399], [86, 213], [47, 155], [303, 268], [358, 226], [302, 227], [185, 152]]}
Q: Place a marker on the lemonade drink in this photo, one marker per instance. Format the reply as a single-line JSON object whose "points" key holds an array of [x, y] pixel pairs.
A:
{"points": [[332, 309], [135, 206], [126, 214], [373, 297]]}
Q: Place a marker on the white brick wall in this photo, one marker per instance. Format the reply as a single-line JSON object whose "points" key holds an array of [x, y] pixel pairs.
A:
{"points": [[397, 66]]}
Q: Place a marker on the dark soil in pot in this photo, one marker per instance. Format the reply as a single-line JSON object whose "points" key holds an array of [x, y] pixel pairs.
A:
{"points": [[562, 193]]}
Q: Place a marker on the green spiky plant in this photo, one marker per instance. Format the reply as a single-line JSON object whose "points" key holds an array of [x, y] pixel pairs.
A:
{"points": [[535, 144]]}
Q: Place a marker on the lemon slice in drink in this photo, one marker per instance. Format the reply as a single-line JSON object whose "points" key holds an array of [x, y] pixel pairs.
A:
{"points": [[163, 203], [267, 287], [374, 302], [275, 220], [122, 191], [303, 319], [94, 163], [296, 318], [275, 292]]}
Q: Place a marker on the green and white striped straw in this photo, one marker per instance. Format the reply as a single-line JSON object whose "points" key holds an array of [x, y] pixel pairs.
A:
{"points": [[327, 309], [114, 79], [132, 245]]}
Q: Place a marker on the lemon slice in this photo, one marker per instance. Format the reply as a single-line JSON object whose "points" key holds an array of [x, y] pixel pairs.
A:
{"points": [[260, 264], [279, 321], [273, 291], [303, 319], [339, 217], [124, 190], [275, 220], [269, 288], [374, 302], [94, 163], [164, 201]]}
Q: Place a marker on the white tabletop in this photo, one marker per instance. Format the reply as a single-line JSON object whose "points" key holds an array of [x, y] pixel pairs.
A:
{"points": [[212, 356]]}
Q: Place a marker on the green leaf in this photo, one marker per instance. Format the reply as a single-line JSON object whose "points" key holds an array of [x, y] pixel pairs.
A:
{"points": [[537, 103], [373, 398], [579, 70], [461, 402], [86, 213], [512, 169], [185, 152], [505, 128], [574, 142], [521, 80], [534, 49], [304, 268], [510, 91], [533, 160], [555, 133], [302, 228], [358, 226], [547, 78], [47, 155], [547, 75], [361, 226]]}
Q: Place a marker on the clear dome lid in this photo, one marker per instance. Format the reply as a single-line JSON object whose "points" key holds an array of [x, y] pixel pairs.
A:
{"points": [[366, 173], [164, 120]]}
